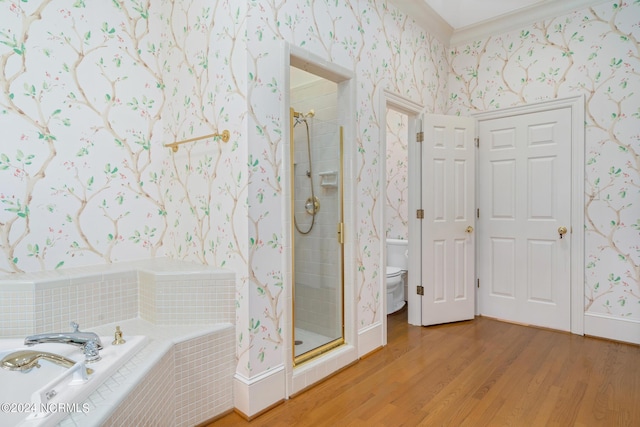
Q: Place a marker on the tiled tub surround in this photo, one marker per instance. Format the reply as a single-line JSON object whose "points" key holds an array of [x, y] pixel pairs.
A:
{"points": [[183, 376]]}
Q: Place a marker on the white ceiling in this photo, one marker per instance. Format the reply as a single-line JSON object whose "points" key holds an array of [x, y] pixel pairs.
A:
{"points": [[459, 21]]}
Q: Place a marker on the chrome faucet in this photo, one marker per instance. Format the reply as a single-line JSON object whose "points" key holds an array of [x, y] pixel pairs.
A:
{"points": [[77, 338]]}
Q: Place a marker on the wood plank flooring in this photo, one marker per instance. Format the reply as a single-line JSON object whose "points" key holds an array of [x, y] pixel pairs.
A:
{"points": [[477, 373]]}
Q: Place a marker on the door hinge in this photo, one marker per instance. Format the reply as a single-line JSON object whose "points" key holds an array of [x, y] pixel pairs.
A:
{"points": [[477, 141], [478, 213], [478, 282], [420, 137], [420, 290], [420, 213], [341, 233]]}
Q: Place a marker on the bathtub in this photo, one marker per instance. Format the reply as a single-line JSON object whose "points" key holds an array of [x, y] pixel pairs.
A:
{"points": [[44, 396]]}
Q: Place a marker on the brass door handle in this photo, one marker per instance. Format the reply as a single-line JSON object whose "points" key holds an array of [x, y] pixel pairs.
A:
{"points": [[562, 231], [469, 229]]}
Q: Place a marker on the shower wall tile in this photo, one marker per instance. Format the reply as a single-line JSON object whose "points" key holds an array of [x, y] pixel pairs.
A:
{"points": [[317, 253], [318, 309]]}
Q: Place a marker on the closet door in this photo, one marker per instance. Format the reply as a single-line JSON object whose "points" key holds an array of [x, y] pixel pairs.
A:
{"points": [[524, 164]]}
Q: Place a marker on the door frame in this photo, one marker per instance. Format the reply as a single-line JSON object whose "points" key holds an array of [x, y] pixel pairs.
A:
{"points": [[302, 376], [576, 105], [391, 100]]}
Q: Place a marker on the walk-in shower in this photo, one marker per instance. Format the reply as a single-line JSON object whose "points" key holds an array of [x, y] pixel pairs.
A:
{"points": [[316, 199]]}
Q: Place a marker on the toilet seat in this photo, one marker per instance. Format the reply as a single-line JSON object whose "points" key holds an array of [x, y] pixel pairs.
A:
{"points": [[393, 271], [397, 264]]}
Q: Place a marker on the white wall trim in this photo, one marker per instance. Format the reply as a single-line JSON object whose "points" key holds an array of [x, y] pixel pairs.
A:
{"points": [[392, 100], [314, 64], [518, 19], [400, 103], [317, 369], [430, 21], [614, 328], [253, 395], [369, 337], [576, 104]]}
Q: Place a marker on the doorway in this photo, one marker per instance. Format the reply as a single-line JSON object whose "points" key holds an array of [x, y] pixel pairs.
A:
{"points": [[407, 116], [524, 208], [324, 360], [317, 208], [540, 220], [439, 257]]}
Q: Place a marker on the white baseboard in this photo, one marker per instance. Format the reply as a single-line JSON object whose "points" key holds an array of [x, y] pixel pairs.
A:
{"points": [[319, 368], [254, 395], [613, 328], [370, 339]]}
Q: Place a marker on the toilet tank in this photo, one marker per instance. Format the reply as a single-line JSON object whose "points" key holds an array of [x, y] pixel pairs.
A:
{"points": [[397, 253]]}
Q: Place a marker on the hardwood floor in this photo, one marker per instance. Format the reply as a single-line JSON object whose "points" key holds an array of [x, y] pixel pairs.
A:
{"points": [[476, 373]]}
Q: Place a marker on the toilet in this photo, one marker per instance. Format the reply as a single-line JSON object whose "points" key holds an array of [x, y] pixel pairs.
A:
{"points": [[397, 265]]}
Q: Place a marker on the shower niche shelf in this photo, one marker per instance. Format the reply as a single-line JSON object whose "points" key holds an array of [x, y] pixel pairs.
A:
{"points": [[329, 179]]}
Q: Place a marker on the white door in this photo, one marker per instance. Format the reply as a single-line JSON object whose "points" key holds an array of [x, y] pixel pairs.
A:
{"points": [[448, 201], [524, 198]]}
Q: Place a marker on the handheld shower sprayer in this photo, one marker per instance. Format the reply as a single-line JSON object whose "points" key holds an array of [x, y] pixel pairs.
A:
{"points": [[312, 204]]}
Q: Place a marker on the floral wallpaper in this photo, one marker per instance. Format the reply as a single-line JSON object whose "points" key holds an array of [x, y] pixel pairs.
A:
{"points": [[397, 185], [93, 90], [90, 95], [384, 49], [594, 52]]}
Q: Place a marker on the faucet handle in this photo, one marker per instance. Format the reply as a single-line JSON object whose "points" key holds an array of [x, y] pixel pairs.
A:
{"points": [[75, 326], [91, 351]]}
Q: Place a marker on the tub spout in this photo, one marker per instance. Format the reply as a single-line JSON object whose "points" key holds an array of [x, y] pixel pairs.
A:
{"points": [[77, 338]]}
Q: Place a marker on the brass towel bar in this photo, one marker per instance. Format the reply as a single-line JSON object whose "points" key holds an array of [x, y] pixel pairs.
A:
{"points": [[224, 136]]}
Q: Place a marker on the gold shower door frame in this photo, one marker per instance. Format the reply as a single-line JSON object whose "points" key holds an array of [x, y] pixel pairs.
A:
{"points": [[339, 236]]}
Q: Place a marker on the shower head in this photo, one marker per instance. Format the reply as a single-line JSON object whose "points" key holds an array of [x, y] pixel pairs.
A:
{"points": [[302, 116]]}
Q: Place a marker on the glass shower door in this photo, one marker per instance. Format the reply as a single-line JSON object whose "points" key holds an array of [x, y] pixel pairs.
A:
{"points": [[316, 155]]}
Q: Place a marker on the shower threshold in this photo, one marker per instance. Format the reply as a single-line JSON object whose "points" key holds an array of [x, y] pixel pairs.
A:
{"points": [[308, 341]]}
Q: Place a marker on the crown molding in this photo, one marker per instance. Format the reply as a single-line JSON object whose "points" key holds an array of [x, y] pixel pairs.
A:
{"points": [[426, 17], [518, 19], [434, 24]]}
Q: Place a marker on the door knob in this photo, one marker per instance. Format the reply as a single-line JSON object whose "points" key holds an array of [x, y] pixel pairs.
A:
{"points": [[562, 231], [469, 229]]}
